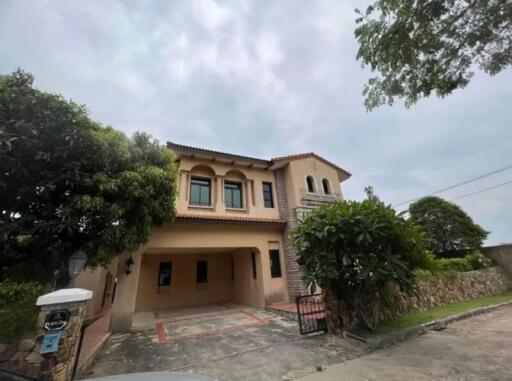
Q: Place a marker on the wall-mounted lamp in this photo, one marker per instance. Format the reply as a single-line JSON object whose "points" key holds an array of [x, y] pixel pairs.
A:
{"points": [[128, 265]]}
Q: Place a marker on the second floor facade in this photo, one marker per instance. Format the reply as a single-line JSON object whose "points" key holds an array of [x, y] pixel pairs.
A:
{"points": [[218, 185]]}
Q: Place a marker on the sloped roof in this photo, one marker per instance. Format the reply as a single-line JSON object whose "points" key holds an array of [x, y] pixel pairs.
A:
{"points": [[310, 154], [266, 163], [184, 148]]}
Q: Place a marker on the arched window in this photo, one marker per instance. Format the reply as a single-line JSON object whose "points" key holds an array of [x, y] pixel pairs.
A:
{"points": [[326, 186], [311, 184]]}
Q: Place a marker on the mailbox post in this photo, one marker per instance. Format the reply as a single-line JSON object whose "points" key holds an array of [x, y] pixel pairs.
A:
{"points": [[60, 321]]}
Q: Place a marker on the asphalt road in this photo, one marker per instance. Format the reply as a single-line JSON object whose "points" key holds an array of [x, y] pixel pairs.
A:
{"points": [[479, 348]]}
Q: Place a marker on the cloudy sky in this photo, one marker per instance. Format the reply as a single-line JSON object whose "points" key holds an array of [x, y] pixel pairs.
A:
{"points": [[265, 78]]}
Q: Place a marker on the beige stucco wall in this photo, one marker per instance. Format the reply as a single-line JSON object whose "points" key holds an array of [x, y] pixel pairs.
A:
{"points": [[95, 281], [183, 291], [246, 290], [252, 187], [297, 172]]}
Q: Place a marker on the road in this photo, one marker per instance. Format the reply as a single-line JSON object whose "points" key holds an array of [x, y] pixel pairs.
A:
{"points": [[479, 348]]}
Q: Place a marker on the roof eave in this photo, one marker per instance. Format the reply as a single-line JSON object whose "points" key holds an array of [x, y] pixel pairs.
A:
{"points": [[211, 154], [280, 162]]}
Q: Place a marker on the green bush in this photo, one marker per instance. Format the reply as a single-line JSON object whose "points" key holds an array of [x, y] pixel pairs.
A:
{"points": [[479, 261], [474, 261], [18, 311], [356, 250], [454, 264]]}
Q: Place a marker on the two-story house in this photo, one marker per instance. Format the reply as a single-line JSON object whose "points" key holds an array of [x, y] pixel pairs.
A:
{"points": [[229, 241]]}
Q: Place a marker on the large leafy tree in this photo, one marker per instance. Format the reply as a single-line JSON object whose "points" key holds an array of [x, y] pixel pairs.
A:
{"points": [[355, 251], [68, 183], [450, 230], [421, 47]]}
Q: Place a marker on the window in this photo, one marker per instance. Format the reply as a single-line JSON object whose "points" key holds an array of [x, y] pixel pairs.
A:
{"points": [[275, 264], [233, 194], [311, 184], [200, 191], [164, 274], [268, 198], [202, 272], [253, 260], [326, 186]]}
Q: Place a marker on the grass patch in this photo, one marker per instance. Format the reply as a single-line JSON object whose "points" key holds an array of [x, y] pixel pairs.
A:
{"points": [[416, 318]]}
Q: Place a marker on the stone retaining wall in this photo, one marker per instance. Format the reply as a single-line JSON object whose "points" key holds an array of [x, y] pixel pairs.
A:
{"points": [[430, 292]]}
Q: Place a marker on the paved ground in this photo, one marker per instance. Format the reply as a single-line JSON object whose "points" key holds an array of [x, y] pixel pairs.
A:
{"points": [[479, 348], [244, 345]]}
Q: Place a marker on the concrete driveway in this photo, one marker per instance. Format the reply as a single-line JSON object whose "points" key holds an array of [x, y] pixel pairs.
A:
{"points": [[479, 348], [222, 341]]}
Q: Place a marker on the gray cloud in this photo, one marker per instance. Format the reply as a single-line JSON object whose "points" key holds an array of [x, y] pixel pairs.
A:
{"points": [[264, 79]]}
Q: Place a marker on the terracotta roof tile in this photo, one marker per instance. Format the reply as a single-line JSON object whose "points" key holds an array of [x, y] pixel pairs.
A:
{"points": [[254, 159], [308, 154], [177, 146], [229, 219]]}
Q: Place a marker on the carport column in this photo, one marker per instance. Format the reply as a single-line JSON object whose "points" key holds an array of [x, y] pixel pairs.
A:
{"points": [[263, 273], [126, 292]]}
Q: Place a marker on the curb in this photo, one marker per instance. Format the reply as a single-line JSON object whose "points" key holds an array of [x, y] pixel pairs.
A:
{"points": [[389, 339], [287, 315], [86, 363]]}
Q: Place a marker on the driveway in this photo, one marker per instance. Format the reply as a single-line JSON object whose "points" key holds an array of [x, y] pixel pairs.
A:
{"points": [[479, 348], [228, 342]]}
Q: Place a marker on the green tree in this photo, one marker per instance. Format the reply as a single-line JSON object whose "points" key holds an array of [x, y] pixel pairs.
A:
{"points": [[450, 230], [431, 46], [356, 250], [68, 183]]}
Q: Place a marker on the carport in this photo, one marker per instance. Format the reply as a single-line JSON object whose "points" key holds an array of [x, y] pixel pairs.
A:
{"points": [[185, 277]]}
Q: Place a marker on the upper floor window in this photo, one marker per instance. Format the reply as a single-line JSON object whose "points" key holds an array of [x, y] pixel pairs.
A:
{"points": [[311, 184], [233, 194], [268, 198], [326, 186], [200, 191]]}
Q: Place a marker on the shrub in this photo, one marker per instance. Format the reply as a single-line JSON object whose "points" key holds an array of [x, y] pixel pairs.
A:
{"points": [[18, 310], [454, 264], [356, 250], [479, 261], [474, 261]]}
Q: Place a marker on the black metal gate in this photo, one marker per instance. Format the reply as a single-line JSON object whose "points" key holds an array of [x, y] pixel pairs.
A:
{"points": [[311, 313]]}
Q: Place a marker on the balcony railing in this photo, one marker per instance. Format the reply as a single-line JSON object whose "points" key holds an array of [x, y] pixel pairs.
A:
{"points": [[319, 197]]}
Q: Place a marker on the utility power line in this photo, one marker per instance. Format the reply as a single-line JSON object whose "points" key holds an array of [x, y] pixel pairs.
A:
{"points": [[458, 184], [481, 190]]}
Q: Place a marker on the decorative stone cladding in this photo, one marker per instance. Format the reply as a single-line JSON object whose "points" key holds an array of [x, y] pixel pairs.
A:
{"points": [[296, 286], [22, 356], [308, 202], [430, 292]]}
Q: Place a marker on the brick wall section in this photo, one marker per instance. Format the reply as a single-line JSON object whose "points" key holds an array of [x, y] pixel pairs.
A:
{"points": [[296, 286]]}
